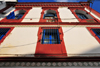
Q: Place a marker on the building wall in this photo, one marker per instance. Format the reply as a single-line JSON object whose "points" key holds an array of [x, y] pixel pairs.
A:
{"points": [[79, 42], [66, 15], [34, 14], [22, 40]]}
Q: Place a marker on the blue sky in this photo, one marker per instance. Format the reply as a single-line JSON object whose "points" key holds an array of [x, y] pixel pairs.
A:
{"points": [[96, 3]]}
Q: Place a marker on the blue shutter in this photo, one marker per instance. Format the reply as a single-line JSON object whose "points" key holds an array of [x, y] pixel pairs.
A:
{"points": [[44, 16], [11, 15], [55, 15]]}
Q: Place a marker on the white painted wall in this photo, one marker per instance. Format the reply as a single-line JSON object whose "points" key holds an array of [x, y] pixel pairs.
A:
{"points": [[66, 15], [7, 12], [34, 13], [78, 40], [23, 38], [92, 13]]}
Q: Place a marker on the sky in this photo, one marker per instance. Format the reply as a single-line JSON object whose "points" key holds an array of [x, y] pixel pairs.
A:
{"points": [[95, 5]]}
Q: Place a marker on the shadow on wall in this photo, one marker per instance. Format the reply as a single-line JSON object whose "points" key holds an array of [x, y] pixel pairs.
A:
{"points": [[89, 53]]}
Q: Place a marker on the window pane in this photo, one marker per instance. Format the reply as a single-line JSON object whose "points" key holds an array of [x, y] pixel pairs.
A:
{"points": [[81, 16], [50, 36], [3, 31], [97, 32]]}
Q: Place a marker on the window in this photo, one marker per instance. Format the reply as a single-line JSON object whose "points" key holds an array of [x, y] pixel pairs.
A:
{"points": [[97, 32], [3, 31], [16, 15], [50, 36], [50, 14], [50, 42], [81, 16], [11, 16]]}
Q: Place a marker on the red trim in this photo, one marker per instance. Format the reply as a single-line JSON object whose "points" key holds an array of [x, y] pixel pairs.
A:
{"points": [[82, 20], [47, 8], [16, 20], [48, 23], [11, 28], [50, 49], [89, 28], [49, 59], [94, 11], [51, 4]]}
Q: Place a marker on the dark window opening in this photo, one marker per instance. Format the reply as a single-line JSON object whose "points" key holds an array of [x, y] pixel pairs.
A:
{"points": [[81, 16], [18, 16], [50, 36], [49, 16], [97, 32], [3, 31]]}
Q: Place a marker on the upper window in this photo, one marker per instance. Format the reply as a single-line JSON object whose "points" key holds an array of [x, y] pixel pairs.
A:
{"points": [[50, 36], [97, 32], [3, 31], [16, 14], [50, 14], [81, 16]]}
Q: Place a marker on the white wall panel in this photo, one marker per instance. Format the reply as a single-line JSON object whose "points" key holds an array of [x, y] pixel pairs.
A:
{"points": [[24, 40], [34, 13], [66, 15], [78, 40]]}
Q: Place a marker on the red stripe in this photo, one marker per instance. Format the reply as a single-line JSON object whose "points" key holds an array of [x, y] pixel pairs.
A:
{"points": [[16, 20]]}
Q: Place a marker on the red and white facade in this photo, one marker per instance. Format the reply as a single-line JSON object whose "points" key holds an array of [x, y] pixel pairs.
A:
{"points": [[75, 34]]}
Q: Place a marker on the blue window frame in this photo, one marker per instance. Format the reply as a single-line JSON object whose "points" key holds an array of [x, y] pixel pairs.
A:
{"points": [[81, 16], [3, 31], [12, 15], [50, 36], [18, 16], [97, 32]]}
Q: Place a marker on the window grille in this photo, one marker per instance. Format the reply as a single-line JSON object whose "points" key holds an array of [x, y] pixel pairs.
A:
{"points": [[50, 36], [97, 32], [3, 31], [81, 16], [49, 16]]}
